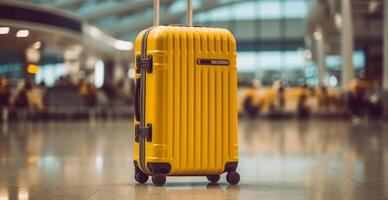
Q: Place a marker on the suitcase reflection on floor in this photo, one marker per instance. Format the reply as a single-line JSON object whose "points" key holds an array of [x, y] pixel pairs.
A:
{"points": [[184, 190]]}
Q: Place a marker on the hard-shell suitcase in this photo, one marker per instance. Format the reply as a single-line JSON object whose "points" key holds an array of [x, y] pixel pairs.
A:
{"points": [[185, 105]]}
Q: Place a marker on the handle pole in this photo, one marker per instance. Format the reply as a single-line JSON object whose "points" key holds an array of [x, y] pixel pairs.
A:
{"points": [[156, 12], [189, 13]]}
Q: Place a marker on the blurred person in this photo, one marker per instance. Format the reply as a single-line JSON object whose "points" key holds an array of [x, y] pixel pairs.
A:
{"points": [[279, 102], [356, 100], [89, 93], [28, 96], [64, 81], [312, 99], [323, 98], [20, 99], [124, 92], [303, 109], [5, 92], [109, 90], [375, 102], [34, 96], [251, 103], [102, 99]]}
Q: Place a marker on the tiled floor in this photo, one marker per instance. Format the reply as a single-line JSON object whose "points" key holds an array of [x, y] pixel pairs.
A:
{"points": [[283, 159]]}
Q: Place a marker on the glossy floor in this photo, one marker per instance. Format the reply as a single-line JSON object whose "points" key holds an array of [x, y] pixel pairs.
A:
{"points": [[282, 159]]}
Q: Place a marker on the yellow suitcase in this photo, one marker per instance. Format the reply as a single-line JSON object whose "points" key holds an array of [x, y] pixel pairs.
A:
{"points": [[185, 107]]}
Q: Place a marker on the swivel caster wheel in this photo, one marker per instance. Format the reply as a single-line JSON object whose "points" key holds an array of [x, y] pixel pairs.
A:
{"points": [[233, 177], [159, 179], [140, 177], [213, 178]]}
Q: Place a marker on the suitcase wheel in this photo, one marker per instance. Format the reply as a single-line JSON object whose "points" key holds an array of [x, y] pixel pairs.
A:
{"points": [[233, 177], [159, 179], [213, 178], [140, 177]]}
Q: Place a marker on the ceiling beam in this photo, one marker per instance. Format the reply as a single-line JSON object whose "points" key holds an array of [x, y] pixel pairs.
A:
{"points": [[144, 21], [65, 3], [107, 8]]}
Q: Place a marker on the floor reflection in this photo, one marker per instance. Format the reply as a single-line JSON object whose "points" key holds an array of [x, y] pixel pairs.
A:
{"points": [[279, 159]]}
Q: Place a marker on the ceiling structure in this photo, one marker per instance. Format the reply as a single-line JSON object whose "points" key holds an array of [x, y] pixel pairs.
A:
{"points": [[367, 16], [122, 19]]}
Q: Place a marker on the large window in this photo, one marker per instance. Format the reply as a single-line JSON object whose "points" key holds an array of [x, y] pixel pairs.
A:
{"points": [[271, 60], [291, 66], [268, 34], [334, 61], [50, 73], [11, 70], [269, 66], [259, 9]]}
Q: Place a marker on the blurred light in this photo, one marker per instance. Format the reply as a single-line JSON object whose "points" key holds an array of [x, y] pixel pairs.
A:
{"points": [[32, 159], [99, 161], [22, 33], [317, 35], [32, 55], [362, 74], [23, 194], [72, 52], [37, 45], [4, 194], [338, 20], [333, 81], [99, 35], [123, 45], [32, 69], [49, 73], [99, 74], [310, 72], [91, 62], [4, 30], [131, 73], [307, 54], [373, 6]]}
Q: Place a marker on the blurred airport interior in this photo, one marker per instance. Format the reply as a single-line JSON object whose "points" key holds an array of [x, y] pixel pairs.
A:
{"points": [[312, 98], [73, 58]]}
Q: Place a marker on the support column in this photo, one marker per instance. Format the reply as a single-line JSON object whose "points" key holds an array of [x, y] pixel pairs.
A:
{"points": [[385, 57], [108, 71], [347, 43], [321, 54]]}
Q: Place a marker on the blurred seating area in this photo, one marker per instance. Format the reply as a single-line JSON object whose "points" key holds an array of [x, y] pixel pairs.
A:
{"points": [[360, 99], [24, 99], [65, 100]]}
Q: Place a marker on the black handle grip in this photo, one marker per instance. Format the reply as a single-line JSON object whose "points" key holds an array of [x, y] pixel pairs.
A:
{"points": [[137, 99]]}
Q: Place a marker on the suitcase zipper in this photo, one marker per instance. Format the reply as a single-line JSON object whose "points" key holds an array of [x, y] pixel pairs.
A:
{"points": [[144, 132]]}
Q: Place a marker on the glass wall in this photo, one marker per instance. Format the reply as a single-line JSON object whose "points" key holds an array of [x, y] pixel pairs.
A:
{"points": [[270, 39], [259, 9]]}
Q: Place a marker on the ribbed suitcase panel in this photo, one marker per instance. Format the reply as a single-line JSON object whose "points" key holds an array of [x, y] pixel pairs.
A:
{"points": [[201, 137]]}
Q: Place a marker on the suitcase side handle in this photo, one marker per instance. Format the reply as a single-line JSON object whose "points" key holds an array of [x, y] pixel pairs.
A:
{"points": [[137, 95], [189, 12]]}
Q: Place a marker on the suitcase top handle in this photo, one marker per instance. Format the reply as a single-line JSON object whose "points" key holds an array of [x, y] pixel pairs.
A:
{"points": [[189, 12]]}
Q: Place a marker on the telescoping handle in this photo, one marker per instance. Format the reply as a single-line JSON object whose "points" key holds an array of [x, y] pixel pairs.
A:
{"points": [[189, 12]]}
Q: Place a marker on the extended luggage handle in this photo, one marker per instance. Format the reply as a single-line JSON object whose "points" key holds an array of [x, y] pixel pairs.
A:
{"points": [[189, 12], [143, 130]]}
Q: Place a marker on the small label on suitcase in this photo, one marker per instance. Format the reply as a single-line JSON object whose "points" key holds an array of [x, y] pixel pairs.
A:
{"points": [[205, 61]]}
